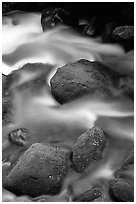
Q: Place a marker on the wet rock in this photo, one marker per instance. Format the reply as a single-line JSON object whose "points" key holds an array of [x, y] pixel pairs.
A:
{"points": [[81, 78], [52, 17], [19, 136], [88, 149], [124, 32], [96, 26], [41, 170], [88, 196], [125, 36], [121, 191]]}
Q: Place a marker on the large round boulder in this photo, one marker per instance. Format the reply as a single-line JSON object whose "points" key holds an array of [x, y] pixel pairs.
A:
{"points": [[81, 78]]}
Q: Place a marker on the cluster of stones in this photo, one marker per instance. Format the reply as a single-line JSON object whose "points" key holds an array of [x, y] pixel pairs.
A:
{"points": [[43, 168]]}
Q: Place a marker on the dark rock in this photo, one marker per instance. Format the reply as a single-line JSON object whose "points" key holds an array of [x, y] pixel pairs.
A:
{"points": [[81, 78], [88, 196], [121, 191], [113, 10], [19, 136], [96, 26], [53, 17], [124, 32], [124, 35], [123, 11], [88, 149], [41, 170]]}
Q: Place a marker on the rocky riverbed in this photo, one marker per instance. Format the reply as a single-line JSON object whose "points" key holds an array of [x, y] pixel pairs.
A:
{"points": [[67, 109]]}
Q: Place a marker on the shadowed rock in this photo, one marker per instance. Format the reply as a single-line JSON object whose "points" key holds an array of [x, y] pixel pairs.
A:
{"points": [[52, 17], [124, 32]]}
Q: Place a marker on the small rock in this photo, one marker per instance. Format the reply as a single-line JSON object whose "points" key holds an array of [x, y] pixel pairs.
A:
{"points": [[88, 196], [81, 78], [96, 26], [53, 17], [124, 35], [121, 191], [19, 136], [41, 170], [88, 149], [124, 32]]}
